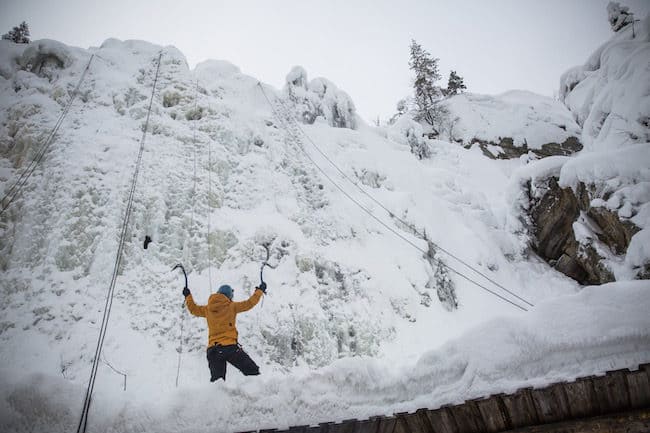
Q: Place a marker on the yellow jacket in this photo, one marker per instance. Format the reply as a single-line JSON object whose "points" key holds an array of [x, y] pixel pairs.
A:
{"points": [[221, 313]]}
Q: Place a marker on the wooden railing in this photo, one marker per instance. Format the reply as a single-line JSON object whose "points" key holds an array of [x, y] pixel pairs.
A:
{"points": [[618, 401]]}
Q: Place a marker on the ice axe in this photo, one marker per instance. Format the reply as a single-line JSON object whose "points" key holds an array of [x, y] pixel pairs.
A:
{"points": [[184, 273], [265, 263]]}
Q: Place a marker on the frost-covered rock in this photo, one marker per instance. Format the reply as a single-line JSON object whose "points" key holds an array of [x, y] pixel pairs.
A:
{"points": [[589, 214], [319, 98], [511, 124], [44, 57]]}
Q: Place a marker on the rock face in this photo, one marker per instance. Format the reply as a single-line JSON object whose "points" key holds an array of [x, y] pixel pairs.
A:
{"points": [[554, 215], [506, 149]]}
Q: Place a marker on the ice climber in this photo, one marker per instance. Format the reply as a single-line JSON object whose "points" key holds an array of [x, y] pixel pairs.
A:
{"points": [[221, 313]]}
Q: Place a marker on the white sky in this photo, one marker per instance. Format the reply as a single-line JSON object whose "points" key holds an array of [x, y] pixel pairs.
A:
{"points": [[361, 45]]}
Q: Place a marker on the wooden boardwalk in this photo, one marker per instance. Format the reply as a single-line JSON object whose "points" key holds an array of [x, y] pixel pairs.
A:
{"points": [[617, 402]]}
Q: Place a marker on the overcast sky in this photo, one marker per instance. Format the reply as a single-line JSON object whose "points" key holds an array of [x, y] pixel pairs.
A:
{"points": [[361, 45]]}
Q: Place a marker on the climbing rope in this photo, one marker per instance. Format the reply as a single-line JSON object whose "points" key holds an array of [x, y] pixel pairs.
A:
{"points": [[373, 216], [15, 189], [209, 213], [83, 421], [393, 215], [187, 247]]}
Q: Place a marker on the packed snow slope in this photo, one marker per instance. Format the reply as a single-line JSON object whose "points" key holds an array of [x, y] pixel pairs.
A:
{"points": [[351, 326]]}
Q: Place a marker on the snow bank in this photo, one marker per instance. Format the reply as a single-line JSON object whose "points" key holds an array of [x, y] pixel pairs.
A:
{"points": [[599, 329], [320, 98], [629, 166], [609, 95], [529, 119], [528, 176], [209, 70]]}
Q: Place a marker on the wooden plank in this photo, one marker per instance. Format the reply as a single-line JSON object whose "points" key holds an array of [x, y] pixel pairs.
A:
{"points": [[520, 408], [494, 414], [581, 398], [424, 419], [468, 418], [325, 426], [347, 426], [413, 422], [298, 429], [442, 421], [401, 425], [646, 368], [638, 386], [626, 422], [314, 429], [387, 425], [611, 392], [551, 403], [369, 425]]}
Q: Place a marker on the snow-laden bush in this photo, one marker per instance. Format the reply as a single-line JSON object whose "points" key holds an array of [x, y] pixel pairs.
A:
{"points": [[618, 16], [319, 98], [171, 98], [408, 131], [440, 279]]}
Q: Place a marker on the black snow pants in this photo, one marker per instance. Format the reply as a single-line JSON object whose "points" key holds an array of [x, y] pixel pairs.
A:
{"points": [[235, 355]]}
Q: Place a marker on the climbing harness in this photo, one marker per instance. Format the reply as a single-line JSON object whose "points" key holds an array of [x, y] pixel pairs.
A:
{"points": [[290, 125], [83, 421]]}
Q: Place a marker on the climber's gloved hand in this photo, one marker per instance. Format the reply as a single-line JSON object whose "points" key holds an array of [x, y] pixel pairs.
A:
{"points": [[186, 292], [262, 287]]}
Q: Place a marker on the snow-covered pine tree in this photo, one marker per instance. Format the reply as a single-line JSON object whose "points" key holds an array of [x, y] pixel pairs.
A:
{"points": [[618, 16], [19, 34], [455, 84], [427, 93], [445, 287]]}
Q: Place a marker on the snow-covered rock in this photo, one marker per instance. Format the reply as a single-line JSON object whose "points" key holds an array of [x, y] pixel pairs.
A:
{"points": [[593, 213], [609, 95], [319, 98], [511, 124]]}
